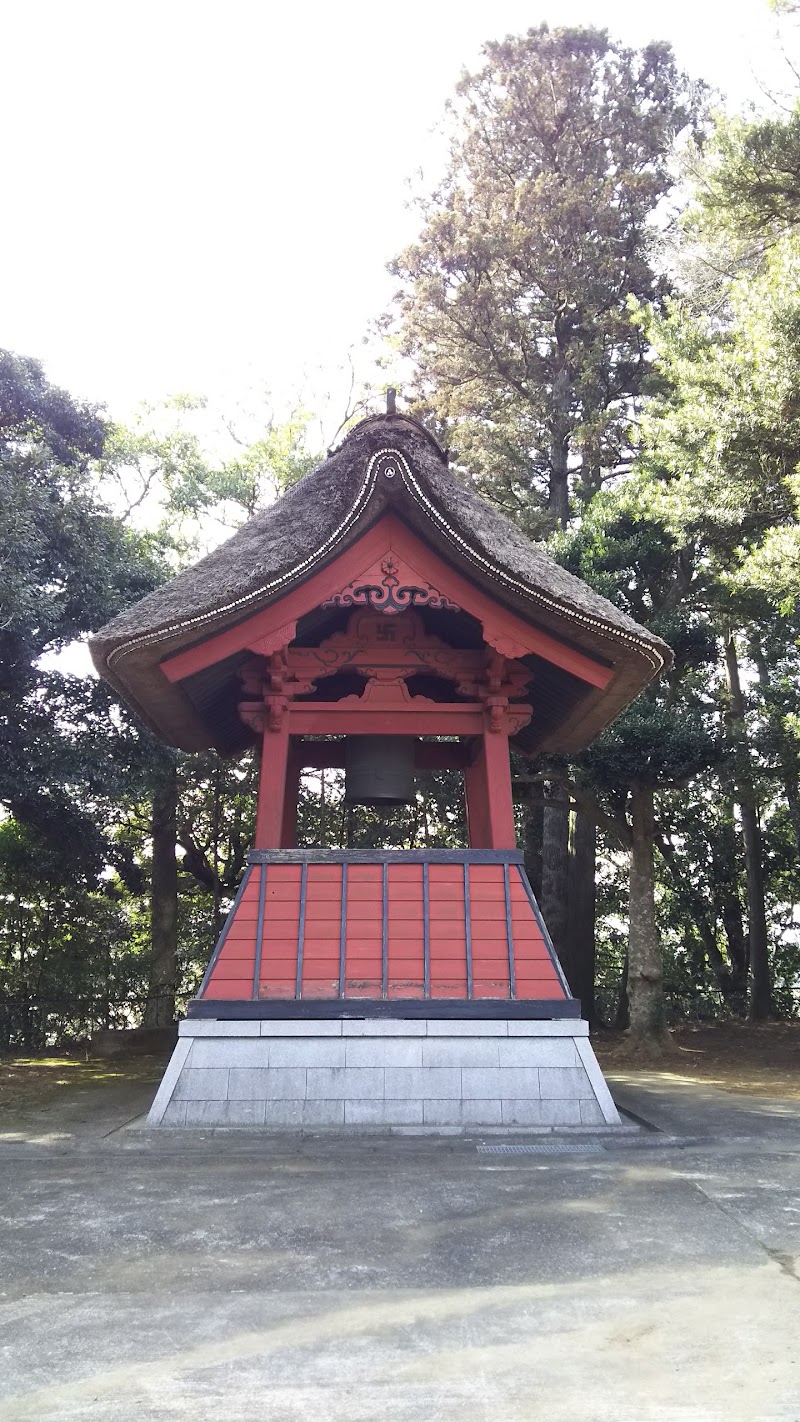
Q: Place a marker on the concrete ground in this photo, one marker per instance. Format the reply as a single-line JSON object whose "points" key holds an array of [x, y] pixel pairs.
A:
{"points": [[159, 1275]]}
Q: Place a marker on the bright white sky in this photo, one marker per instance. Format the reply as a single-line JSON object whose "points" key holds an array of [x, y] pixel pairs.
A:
{"points": [[204, 195]]}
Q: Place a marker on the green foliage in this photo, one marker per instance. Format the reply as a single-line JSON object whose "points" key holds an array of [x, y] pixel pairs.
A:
{"points": [[188, 474], [71, 960], [67, 564], [752, 176], [515, 300], [721, 432], [656, 428], [625, 550]]}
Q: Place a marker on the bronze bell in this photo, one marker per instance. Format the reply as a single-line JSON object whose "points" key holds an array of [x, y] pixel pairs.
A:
{"points": [[379, 770]]}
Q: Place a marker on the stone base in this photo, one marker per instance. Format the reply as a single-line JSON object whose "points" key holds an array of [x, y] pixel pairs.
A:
{"points": [[379, 1073]]}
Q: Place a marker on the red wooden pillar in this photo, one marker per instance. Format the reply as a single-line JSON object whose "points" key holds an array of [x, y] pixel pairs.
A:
{"points": [[477, 809], [490, 806], [272, 787], [290, 796]]}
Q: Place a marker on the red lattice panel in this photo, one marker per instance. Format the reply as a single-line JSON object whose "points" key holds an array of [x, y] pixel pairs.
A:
{"points": [[455, 892], [487, 901]]}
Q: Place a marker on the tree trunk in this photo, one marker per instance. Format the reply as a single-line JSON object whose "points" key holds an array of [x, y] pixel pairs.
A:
{"points": [[589, 483], [560, 431], [648, 1030], [725, 864], [555, 863], [160, 1008], [532, 842], [622, 1016], [760, 984], [578, 961]]}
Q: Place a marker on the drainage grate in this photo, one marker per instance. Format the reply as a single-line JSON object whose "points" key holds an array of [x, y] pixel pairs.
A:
{"points": [[546, 1148]]}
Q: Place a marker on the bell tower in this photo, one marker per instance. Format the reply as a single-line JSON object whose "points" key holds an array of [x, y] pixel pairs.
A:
{"points": [[407, 627]]}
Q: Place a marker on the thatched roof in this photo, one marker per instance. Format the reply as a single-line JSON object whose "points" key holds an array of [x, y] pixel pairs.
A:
{"points": [[311, 525]]}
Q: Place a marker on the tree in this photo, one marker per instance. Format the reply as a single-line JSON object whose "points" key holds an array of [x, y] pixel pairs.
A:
{"points": [[627, 552], [515, 307], [188, 473], [67, 564], [722, 444], [160, 1006], [70, 957], [751, 177], [515, 300], [164, 476]]}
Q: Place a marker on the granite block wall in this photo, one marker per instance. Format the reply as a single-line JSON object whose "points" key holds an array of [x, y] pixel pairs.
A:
{"points": [[363, 1073]]}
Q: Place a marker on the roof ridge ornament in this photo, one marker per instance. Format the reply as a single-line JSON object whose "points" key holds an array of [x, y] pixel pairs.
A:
{"points": [[388, 462]]}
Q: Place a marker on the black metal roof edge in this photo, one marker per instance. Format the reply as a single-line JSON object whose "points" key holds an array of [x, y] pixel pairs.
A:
{"points": [[361, 1008]]}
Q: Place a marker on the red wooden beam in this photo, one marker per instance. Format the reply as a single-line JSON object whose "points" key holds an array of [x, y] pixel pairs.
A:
{"points": [[319, 718]]}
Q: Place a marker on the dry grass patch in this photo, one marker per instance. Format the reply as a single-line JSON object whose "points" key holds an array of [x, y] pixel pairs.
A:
{"points": [[760, 1059], [27, 1082]]}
